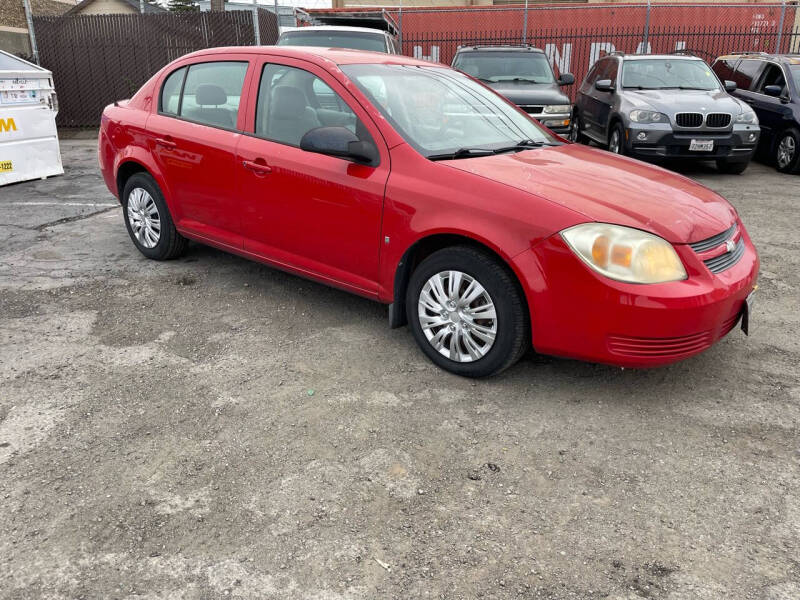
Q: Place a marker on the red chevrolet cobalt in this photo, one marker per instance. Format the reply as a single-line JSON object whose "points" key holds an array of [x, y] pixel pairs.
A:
{"points": [[414, 185]]}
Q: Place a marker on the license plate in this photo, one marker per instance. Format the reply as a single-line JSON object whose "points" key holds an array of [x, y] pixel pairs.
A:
{"points": [[701, 145], [5, 166], [747, 310]]}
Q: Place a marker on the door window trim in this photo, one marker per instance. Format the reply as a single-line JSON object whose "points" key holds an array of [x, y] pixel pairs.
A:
{"points": [[761, 75], [187, 66]]}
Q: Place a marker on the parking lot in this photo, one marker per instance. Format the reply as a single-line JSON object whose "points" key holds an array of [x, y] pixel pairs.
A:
{"points": [[211, 427]]}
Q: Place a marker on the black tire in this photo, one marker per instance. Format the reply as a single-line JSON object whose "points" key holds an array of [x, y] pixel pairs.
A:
{"points": [[732, 168], [618, 130], [512, 330], [171, 244], [791, 137], [576, 133]]}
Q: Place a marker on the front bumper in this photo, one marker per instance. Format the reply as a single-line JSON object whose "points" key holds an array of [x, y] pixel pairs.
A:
{"points": [[578, 313], [735, 145], [560, 124]]}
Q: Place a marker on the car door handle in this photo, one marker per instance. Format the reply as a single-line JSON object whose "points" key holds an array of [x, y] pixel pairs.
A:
{"points": [[166, 142], [257, 166]]}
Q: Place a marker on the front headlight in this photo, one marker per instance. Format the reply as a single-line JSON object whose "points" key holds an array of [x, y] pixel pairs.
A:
{"points": [[624, 253], [555, 109], [648, 116], [748, 117]]}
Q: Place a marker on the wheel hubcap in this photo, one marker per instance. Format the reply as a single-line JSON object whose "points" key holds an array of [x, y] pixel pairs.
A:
{"points": [[613, 145], [786, 150], [143, 217], [457, 316]]}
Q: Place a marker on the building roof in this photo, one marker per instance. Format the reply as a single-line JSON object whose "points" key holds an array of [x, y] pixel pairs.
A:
{"points": [[148, 8]]}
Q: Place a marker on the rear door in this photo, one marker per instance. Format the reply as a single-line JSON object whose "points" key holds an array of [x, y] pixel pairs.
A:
{"points": [[319, 215], [193, 137]]}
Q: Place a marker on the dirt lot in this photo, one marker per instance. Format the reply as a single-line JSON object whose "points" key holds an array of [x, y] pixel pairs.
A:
{"points": [[211, 427]]}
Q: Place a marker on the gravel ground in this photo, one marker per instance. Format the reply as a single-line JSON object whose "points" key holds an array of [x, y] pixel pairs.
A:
{"points": [[211, 427]]}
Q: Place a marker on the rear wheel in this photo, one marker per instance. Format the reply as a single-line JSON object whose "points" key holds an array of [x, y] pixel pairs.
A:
{"points": [[787, 151], [731, 168], [148, 220], [616, 139], [466, 312]]}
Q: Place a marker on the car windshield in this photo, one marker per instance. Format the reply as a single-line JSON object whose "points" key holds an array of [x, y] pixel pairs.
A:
{"points": [[440, 111], [334, 39], [497, 66], [666, 73]]}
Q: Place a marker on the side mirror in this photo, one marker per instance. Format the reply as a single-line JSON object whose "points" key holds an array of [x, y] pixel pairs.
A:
{"points": [[341, 142], [566, 79], [603, 85], [730, 86], [773, 90]]}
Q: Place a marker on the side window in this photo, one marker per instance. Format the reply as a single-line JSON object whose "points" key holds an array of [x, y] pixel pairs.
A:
{"points": [[746, 72], [591, 76], [611, 71], [725, 69], [772, 75], [292, 102], [171, 92], [212, 93]]}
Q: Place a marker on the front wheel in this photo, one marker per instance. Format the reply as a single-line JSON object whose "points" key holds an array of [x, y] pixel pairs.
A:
{"points": [[787, 151], [576, 134], [616, 139], [731, 168], [466, 312]]}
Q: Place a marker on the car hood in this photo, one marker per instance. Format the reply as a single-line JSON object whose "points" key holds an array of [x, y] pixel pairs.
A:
{"points": [[521, 92], [675, 101], [610, 189]]}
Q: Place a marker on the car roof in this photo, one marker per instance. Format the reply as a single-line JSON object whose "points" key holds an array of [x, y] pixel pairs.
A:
{"points": [[337, 28], [499, 48], [660, 56], [320, 56], [791, 59]]}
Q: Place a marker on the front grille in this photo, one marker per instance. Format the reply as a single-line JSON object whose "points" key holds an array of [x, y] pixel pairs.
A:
{"points": [[689, 119], [531, 109], [718, 120], [727, 260], [714, 240]]}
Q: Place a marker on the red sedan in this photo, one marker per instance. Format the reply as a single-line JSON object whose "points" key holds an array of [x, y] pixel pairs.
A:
{"points": [[413, 184]]}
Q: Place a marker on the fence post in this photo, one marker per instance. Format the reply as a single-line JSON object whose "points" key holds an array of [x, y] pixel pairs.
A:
{"points": [[780, 28], [256, 28], [525, 25], [646, 33], [400, 25], [29, 18]]}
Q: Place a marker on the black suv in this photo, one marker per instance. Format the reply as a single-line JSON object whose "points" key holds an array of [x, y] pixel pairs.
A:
{"points": [[523, 75], [770, 84]]}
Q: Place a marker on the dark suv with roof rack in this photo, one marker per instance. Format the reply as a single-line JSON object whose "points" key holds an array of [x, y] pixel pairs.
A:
{"points": [[770, 84], [661, 106], [523, 75]]}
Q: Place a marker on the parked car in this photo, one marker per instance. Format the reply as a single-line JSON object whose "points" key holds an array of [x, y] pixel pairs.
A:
{"points": [[523, 75], [665, 106], [330, 36], [770, 84], [423, 189]]}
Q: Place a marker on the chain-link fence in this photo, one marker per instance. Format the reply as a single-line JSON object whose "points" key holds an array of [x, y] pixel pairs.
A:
{"points": [[576, 36], [98, 59]]}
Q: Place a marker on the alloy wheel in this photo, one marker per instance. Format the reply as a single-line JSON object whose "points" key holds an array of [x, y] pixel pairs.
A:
{"points": [[786, 151], [143, 217], [457, 316], [614, 142]]}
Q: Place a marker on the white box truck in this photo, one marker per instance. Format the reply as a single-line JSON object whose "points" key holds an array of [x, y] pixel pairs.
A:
{"points": [[28, 135]]}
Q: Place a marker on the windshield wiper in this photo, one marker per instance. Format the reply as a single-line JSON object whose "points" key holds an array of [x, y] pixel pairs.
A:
{"points": [[523, 145], [527, 79], [462, 153]]}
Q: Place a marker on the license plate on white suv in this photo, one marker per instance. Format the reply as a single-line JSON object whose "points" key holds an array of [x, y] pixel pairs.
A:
{"points": [[701, 146]]}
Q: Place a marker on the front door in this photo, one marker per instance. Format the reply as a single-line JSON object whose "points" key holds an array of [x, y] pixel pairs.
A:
{"points": [[193, 137], [319, 215]]}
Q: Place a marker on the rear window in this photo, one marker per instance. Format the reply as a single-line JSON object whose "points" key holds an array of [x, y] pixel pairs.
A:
{"points": [[725, 68], [334, 39]]}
